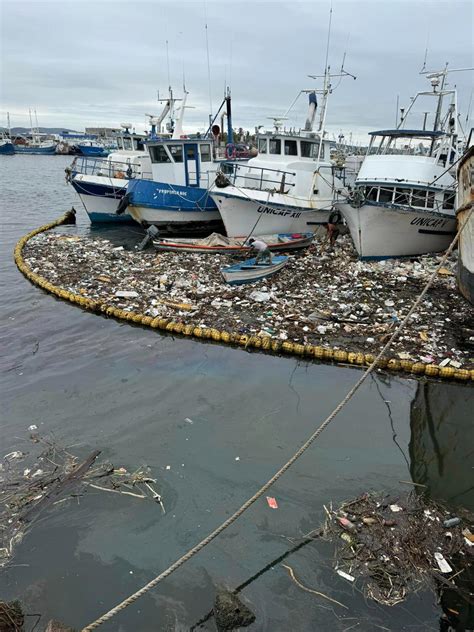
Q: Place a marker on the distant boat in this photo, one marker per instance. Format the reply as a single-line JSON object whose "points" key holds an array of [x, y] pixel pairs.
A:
{"points": [[6, 146], [93, 148], [35, 144], [250, 271], [36, 148], [466, 239], [219, 244], [404, 197]]}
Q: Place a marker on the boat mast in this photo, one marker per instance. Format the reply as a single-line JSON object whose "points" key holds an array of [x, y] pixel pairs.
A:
{"points": [[230, 133], [178, 130], [9, 125]]}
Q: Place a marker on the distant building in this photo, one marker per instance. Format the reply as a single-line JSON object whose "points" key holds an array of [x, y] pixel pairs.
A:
{"points": [[103, 132]]}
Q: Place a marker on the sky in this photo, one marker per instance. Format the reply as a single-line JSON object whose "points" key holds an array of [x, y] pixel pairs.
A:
{"points": [[81, 63]]}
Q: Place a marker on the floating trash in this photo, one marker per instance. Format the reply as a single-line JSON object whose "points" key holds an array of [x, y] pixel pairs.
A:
{"points": [[319, 298]]}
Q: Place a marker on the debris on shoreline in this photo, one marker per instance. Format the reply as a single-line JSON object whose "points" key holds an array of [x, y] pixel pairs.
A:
{"points": [[48, 474], [321, 298], [395, 547]]}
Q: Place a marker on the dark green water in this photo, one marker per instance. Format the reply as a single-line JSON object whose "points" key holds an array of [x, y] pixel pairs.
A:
{"points": [[97, 384]]}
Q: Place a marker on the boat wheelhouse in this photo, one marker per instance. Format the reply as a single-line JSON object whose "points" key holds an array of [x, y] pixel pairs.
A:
{"points": [[405, 192], [177, 196]]}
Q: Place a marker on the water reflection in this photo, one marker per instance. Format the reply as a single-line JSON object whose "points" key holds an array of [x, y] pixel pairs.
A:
{"points": [[441, 447]]}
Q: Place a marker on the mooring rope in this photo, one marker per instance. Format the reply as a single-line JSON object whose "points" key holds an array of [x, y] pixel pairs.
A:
{"points": [[198, 547]]}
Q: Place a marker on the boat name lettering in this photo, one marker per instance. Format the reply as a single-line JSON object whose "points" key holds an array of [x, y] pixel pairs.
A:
{"points": [[168, 192], [428, 221], [274, 211]]}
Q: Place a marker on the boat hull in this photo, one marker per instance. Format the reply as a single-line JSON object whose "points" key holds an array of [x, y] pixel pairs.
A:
{"points": [[244, 216], [100, 197], [24, 149], [465, 215], [94, 152], [251, 272], [466, 254], [7, 149], [172, 207], [272, 241], [380, 232]]}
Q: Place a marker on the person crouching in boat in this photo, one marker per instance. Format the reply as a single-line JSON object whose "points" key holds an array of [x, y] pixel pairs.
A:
{"points": [[333, 227], [262, 249]]}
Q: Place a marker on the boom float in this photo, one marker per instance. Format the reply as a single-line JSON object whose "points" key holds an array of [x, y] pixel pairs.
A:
{"points": [[325, 354]]}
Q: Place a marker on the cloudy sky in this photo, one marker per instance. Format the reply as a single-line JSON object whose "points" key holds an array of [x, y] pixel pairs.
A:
{"points": [[84, 63]]}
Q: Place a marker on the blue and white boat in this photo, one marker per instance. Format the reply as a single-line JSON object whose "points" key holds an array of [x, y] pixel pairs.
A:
{"points": [[177, 198], [6, 146], [102, 183], [35, 147], [36, 143], [92, 148], [249, 271]]}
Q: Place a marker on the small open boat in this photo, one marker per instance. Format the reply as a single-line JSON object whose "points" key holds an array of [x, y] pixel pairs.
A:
{"points": [[249, 271], [219, 244]]}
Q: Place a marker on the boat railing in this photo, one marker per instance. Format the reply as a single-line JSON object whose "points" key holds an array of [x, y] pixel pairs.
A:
{"points": [[258, 178], [100, 166]]}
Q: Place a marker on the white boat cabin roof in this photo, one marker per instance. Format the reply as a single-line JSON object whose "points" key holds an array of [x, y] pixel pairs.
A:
{"points": [[290, 147]]}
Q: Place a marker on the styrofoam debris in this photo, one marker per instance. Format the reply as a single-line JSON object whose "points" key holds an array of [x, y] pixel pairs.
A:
{"points": [[349, 578], [443, 565]]}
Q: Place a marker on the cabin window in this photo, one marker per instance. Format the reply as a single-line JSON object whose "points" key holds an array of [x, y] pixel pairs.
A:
{"points": [[402, 196], [275, 146], [158, 154], [119, 143], [127, 144], [190, 153], [206, 153], [385, 195], [138, 144], [291, 148], [448, 200], [262, 146], [418, 198], [176, 152], [430, 201], [372, 194], [311, 150]]}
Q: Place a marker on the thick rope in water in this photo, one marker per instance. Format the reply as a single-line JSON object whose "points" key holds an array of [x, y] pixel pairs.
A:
{"points": [[198, 547]]}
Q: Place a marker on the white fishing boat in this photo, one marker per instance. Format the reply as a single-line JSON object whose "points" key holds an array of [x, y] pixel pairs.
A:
{"points": [[219, 244], [102, 183], [289, 186], [465, 214], [404, 197], [250, 271]]}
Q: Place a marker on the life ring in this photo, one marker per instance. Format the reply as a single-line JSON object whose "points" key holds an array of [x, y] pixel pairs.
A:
{"points": [[230, 151]]}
